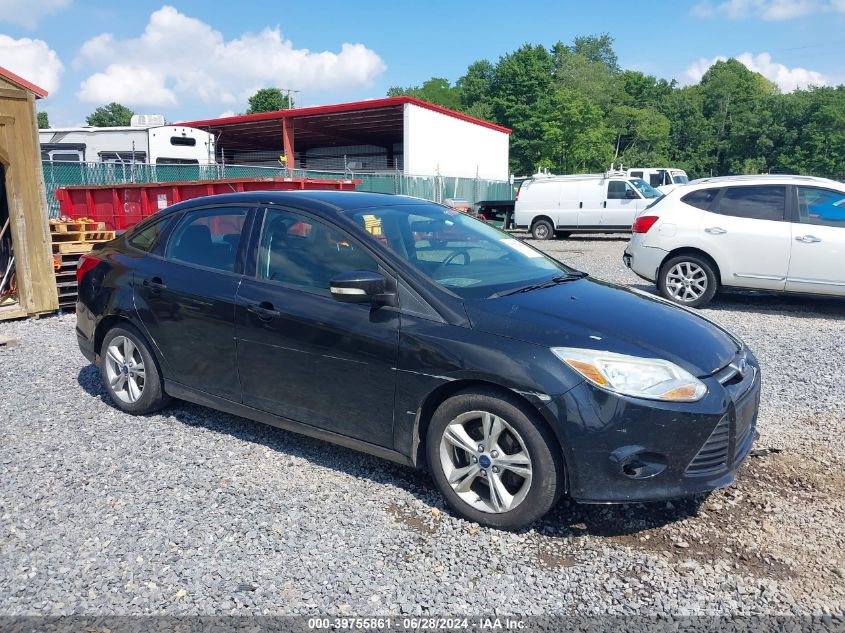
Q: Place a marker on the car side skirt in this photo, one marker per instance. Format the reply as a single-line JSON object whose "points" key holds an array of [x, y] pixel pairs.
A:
{"points": [[183, 392]]}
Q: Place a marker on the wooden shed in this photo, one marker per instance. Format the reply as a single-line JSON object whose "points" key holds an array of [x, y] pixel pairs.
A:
{"points": [[27, 283]]}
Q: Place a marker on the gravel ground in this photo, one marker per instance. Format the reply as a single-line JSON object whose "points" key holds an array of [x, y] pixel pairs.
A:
{"points": [[193, 511]]}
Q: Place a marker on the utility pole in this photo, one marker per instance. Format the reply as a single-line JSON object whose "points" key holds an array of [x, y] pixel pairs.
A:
{"points": [[289, 92]]}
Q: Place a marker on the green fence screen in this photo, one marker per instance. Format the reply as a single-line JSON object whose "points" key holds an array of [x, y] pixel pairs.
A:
{"points": [[435, 188]]}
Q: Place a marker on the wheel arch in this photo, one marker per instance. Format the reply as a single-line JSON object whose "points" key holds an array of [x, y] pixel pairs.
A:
{"points": [[691, 250], [116, 320], [538, 218], [452, 388]]}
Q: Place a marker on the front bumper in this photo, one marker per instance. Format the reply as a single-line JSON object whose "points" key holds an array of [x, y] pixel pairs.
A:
{"points": [[626, 450]]}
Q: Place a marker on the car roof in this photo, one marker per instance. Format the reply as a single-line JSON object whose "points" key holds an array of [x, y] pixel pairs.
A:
{"points": [[316, 200], [765, 179]]}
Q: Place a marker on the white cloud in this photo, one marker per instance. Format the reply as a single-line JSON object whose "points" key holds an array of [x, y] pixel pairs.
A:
{"points": [[28, 13], [33, 60], [767, 9], [132, 84], [188, 60], [787, 79]]}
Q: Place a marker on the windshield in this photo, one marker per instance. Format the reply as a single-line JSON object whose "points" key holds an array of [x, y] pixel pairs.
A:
{"points": [[646, 189], [680, 179], [469, 257]]}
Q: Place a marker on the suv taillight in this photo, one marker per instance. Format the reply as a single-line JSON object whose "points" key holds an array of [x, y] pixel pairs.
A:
{"points": [[643, 223], [86, 262]]}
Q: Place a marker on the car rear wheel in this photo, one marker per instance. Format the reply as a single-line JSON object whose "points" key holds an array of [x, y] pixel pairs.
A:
{"points": [[492, 462], [542, 230], [689, 280], [129, 372]]}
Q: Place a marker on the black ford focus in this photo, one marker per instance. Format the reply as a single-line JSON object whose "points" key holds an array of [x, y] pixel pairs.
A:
{"points": [[416, 333]]}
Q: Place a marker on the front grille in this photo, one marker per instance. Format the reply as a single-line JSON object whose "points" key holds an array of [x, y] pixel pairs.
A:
{"points": [[713, 456]]}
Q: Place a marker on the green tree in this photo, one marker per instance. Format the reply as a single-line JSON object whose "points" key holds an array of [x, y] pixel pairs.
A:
{"points": [[268, 100], [43, 121], [111, 115], [436, 90]]}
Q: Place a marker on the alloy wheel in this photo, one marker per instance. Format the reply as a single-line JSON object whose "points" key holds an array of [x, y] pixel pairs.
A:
{"points": [[541, 232], [686, 282], [125, 369], [485, 462]]}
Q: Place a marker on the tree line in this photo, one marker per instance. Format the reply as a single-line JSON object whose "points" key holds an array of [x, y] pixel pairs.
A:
{"points": [[573, 109]]}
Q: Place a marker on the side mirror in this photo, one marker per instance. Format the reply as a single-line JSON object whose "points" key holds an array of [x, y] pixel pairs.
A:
{"points": [[630, 193], [359, 286]]}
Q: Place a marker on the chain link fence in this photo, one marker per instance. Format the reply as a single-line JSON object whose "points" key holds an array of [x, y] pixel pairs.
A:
{"points": [[434, 188]]}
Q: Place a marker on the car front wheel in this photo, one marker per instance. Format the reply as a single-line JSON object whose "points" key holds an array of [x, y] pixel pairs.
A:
{"points": [[129, 372], [492, 462], [689, 280]]}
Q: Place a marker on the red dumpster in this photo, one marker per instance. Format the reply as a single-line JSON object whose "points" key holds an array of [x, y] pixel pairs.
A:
{"points": [[124, 205]]}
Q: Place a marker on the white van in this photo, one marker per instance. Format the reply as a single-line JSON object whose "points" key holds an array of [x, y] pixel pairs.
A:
{"points": [[664, 179], [552, 206]]}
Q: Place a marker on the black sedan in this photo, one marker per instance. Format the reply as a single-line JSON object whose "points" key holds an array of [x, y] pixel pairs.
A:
{"points": [[419, 334]]}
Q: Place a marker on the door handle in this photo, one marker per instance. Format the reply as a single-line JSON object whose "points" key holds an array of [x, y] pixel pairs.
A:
{"points": [[715, 230], [263, 310], [580, 205], [604, 204], [155, 284], [807, 239]]}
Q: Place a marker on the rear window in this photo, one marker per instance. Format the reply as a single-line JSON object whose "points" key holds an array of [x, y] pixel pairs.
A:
{"points": [[701, 199], [756, 202]]}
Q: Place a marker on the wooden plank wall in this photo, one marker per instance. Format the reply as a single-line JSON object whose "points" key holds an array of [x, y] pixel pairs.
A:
{"points": [[20, 154]]}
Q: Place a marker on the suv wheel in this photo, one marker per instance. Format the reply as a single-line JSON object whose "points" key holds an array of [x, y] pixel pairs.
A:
{"points": [[129, 372], [491, 462], [688, 280], [542, 230]]}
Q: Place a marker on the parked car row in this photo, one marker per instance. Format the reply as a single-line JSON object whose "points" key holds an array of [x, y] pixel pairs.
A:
{"points": [[775, 233]]}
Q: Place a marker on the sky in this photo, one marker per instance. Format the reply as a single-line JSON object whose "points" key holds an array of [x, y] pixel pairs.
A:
{"points": [[200, 59]]}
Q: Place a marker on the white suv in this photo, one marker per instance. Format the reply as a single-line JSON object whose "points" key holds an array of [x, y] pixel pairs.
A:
{"points": [[781, 233]]}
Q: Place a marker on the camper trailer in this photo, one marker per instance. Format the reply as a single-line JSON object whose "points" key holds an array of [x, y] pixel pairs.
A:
{"points": [[147, 140]]}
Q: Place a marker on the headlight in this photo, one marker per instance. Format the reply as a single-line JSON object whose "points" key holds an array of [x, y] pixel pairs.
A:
{"points": [[650, 378]]}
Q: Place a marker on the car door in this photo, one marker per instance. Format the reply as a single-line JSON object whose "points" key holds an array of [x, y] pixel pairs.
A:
{"points": [[817, 263], [186, 299], [621, 205], [591, 193], [304, 355], [746, 231]]}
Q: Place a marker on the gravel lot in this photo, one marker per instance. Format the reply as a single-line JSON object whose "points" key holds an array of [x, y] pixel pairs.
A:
{"points": [[198, 512]]}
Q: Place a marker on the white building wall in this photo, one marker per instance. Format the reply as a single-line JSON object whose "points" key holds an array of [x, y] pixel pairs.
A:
{"points": [[439, 142]]}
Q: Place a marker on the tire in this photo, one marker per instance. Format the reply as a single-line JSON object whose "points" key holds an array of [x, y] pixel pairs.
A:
{"points": [[118, 379], [689, 280], [519, 435], [542, 230]]}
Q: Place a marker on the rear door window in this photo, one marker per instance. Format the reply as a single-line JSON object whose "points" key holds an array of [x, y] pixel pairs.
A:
{"points": [[208, 238], [823, 207], [755, 202]]}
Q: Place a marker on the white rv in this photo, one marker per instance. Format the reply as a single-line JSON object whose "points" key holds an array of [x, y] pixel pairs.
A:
{"points": [[550, 206], [664, 179], [147, 140]]}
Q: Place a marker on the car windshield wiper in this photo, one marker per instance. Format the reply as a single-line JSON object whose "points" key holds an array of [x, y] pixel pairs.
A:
{"points": [[554, 281]]}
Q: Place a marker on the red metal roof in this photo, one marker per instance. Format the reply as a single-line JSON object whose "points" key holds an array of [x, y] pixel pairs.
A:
{"points": [[356, 106], [40, 93]]}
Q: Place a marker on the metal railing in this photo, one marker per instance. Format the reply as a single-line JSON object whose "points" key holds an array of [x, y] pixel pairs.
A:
{"points": [[434, 188]]}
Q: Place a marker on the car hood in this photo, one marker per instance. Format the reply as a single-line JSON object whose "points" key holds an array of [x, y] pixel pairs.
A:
{"points": [[588, 313]]}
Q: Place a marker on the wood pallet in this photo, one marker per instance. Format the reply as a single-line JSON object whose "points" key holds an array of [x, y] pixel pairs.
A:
{"points": [[57, 226], [65, 267]]}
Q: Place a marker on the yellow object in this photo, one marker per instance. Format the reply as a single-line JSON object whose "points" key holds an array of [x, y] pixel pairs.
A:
{"points": [[372, 224]]}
